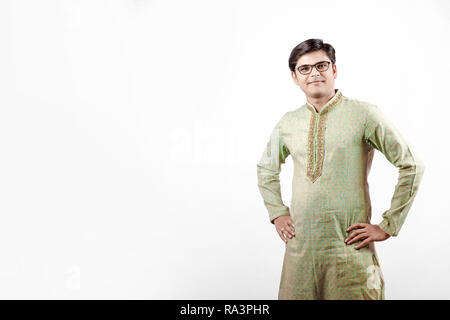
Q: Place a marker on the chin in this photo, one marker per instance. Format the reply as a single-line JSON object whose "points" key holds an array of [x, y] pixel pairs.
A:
{"points": [[316, 93]]}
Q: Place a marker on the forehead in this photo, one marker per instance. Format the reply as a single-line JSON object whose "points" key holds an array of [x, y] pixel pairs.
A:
{"points": [[313, 57]]}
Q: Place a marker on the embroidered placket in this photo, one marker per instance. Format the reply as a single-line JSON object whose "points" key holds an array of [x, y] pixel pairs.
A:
{"points": [[316, 138]]}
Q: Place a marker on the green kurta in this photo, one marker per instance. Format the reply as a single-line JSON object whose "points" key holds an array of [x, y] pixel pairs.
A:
{"points": [[332, 152]]}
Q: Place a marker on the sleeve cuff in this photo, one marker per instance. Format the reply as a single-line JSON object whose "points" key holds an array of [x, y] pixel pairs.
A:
{"points": [[384, 225], [273, 217]]}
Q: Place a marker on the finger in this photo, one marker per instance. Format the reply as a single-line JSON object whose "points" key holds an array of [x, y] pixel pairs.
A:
{"points": [[287, 234], [286, 231], [357, 225], [353, 226], [290, 230], [291, 223], [354, 234], [357, 238], [280, 233], [363, 244]]}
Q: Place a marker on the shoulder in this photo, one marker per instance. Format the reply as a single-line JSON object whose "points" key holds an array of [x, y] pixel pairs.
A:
{"points": [[360, 105], [368, 111], [292, 116]]}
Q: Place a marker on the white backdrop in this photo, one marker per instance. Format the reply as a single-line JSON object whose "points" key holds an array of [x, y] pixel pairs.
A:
{"points": [[130, 133]]}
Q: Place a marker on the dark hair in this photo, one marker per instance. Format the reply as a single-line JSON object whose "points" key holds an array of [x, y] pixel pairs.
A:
{"points": [[309, 46]]}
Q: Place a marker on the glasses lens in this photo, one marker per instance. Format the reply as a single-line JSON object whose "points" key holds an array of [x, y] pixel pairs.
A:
{"points": [[322, 66], [304, 69]]}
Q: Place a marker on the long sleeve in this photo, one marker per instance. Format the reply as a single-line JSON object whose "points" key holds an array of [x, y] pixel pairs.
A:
{"points": [[268, 171], [381, 134]]}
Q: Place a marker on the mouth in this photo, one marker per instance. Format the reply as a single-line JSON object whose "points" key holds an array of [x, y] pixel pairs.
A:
{"points": [[316, 82]]}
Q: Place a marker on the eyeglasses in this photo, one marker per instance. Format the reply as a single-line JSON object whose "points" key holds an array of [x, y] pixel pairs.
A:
{"points": [[320, 66]]}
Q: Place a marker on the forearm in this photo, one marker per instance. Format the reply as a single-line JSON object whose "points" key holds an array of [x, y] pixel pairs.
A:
{"points": [[270, 189], [405, 192]]}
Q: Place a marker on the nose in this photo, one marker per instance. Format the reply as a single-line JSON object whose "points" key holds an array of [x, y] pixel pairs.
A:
{"points": [[314, 74]]}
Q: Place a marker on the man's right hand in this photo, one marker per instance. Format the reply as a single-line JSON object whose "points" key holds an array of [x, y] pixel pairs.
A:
{"points": [[285, 227]]}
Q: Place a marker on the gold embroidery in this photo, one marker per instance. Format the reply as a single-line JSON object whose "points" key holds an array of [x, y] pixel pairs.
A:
{"points": [[316, 149], [312, 125]]}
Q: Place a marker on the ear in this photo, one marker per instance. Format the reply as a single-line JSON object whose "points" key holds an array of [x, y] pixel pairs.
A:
{"points": [[294, 77], [335, 71]]}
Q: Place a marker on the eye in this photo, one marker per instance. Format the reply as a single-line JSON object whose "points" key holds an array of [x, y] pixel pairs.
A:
{"points": [[304, 69]]}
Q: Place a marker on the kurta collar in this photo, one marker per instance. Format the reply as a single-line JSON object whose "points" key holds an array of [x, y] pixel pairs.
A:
{"points": [[333, 101]]}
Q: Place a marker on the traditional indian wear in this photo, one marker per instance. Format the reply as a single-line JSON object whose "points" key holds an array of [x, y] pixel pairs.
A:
{"points": [[332, 151]]}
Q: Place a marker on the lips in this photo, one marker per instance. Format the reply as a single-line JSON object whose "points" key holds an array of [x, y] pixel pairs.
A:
{"points": [[316, 81]]}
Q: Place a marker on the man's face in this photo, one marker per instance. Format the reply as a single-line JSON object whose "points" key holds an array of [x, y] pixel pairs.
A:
{"points": [[315, 84]]}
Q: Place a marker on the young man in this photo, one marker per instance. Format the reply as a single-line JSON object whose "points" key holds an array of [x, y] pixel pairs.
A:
{"points": [[330, 252]]}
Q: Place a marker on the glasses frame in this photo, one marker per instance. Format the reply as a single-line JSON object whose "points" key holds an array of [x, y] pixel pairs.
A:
{"points": [[314, 66]]}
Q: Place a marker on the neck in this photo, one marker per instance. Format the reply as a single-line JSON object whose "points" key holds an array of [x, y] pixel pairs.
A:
{"points": [[319, 102]]}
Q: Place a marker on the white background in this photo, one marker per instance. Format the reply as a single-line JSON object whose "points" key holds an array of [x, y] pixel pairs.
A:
{"points": [[130, 133]]}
